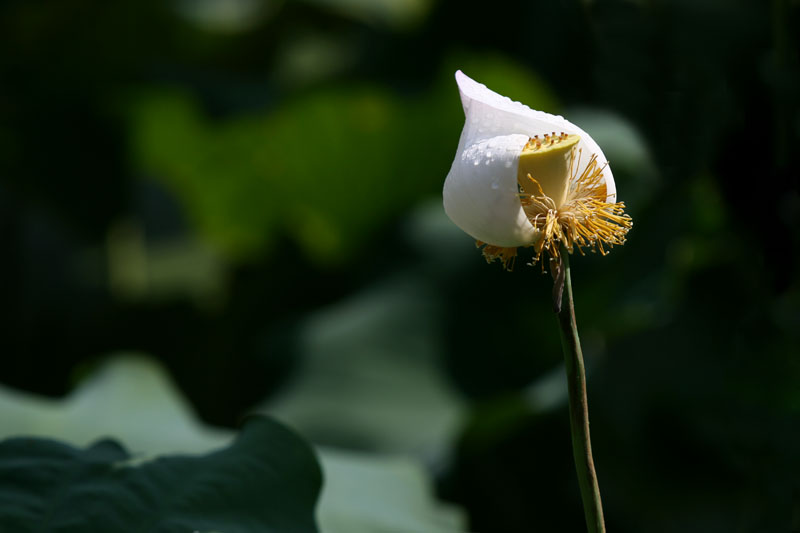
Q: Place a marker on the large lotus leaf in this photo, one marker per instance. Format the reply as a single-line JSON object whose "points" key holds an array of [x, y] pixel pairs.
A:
{"points": [[266, 480], [132, 398], [129, 397]]}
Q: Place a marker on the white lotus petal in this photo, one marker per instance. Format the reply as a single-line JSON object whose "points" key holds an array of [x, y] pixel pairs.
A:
{"points": [[489, 114], [481, 195]]}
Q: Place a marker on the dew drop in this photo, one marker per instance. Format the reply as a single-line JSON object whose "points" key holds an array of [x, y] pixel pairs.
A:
{"points": [[495, 185], [508, 164]]}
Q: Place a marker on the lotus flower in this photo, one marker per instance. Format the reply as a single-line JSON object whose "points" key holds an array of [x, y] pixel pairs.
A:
{"points": [[527, 178]]}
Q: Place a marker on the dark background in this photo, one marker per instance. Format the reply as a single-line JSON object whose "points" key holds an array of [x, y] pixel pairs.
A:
{"points": [[198, 183]]}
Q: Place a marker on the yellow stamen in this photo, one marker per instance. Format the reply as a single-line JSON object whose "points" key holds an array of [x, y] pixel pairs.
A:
{"points": [[582, 217], [505, 255], [586, 218]]}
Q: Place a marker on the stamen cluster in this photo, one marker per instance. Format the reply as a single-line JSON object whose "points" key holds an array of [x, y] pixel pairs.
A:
{"points": [[585, 219]]}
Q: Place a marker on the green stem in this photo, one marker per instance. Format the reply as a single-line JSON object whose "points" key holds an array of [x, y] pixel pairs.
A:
{"points": [[578, 407]]}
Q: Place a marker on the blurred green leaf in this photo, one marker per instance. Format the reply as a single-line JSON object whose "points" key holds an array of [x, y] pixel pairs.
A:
{"points": [[326, 169], [388, 13], [227, 16], [266, 480], [329, 168], [161, 270], [371, 376]]}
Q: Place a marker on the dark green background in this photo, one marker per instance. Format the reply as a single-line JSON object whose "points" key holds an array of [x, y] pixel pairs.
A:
{"points": [[295, 149]]}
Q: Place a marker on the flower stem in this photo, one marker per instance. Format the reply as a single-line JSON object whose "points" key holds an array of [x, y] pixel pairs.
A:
{"points": [[578, 405]]}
